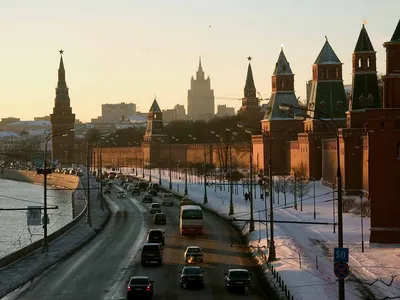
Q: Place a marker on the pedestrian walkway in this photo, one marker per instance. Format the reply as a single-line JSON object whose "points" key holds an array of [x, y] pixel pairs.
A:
{"points": [[27, 268]]}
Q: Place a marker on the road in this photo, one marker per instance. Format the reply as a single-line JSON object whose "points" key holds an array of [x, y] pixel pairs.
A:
{"points": [[101, 269]]}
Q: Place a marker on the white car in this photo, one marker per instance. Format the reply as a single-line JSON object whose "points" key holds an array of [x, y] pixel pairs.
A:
{"points": [[167, 199], [121, 194], [193, 254], [155, 208]]}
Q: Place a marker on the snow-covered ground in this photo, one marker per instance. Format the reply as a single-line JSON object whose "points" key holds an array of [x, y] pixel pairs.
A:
{"points": [[305, 252]]}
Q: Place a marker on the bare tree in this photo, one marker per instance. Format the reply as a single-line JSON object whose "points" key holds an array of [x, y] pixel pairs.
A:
{"points": [[300, 185], [277, 187], [284, 186]]}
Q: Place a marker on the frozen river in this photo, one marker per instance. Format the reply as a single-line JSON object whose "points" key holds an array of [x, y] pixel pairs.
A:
{"points": [[15, 233]]}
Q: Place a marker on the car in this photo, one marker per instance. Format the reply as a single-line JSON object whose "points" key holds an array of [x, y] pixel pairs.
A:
{"points": [[238, 279], [156, 236], [167, 199], [151, 252], [107, 191], [121, 194], [140, 287], [147, 198], [155, 208], [160, 218], [193, 254], [152, 191], [135, 191], [191, 276], [155, 186]]}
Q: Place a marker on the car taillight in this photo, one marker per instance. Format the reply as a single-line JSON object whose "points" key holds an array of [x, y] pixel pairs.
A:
{"points": [[129, 288], [148, 288]]}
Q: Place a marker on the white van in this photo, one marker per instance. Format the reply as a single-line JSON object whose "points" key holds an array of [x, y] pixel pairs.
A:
{"points": [[167, 199]]}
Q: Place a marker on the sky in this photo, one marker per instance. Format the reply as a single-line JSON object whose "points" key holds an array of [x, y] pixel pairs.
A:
{"points": [[131, 50]]}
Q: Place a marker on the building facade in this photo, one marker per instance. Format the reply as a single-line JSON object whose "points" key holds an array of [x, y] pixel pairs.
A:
{"points": [[111, 113], [201, 101]]}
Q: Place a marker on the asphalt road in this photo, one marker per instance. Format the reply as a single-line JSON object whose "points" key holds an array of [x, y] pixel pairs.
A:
{"points": [[101, 269]]}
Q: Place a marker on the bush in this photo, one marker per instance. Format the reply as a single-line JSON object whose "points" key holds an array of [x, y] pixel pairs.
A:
{"points": [[348, 204], [366, 208]]}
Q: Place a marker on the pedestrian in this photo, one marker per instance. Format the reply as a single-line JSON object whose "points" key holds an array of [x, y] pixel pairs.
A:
{"points": [[246, 197]]}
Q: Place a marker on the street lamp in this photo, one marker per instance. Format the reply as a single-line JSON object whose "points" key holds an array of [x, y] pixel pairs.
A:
{"points": [[205, 201], [170, 162], [272, 249], [362, 221], [51, 135], [286, 106], [248, 131], [231, 209]]}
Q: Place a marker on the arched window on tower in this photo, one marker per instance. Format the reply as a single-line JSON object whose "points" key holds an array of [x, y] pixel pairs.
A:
{"points": [[359, 62], [368, 62], [323, 106], [398, 151], [282, 83], [337, 72], [370, 100], [362, 100]]}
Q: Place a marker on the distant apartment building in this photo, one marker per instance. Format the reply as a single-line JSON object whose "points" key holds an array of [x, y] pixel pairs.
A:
{"points": [[200, 97], [45, 118], [169, 115], [180, 112], [98, 120], [223, 111], [5, 121], [112, 113]]}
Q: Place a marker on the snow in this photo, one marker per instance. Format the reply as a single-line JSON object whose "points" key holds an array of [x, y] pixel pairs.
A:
{"points": [[305, 252], [27, 268]]}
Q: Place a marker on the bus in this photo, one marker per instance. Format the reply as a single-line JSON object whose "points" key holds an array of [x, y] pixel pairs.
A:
{"points": [[191, 220]]}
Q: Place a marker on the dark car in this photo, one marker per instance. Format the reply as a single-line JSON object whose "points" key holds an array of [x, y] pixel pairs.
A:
{"points": [[147, 198], [107, 191], [151, 252], [191, 276], [135, 191], [143, 185], [140, 287], [156, 236], [238, 279], [155, 186], [160, 218], [152, 192]]}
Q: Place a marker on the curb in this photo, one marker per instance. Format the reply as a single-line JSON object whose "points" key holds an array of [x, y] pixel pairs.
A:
{"points": [[68, 254]]}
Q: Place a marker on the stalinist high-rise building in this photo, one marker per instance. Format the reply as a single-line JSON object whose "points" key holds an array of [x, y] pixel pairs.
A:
{"points": [[200, 97]]}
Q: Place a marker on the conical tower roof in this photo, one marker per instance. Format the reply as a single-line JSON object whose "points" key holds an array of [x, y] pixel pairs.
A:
{"points": [[249, 88], [155, 107], [282, 66], [396, 35], [327, 55], [363, 43]]}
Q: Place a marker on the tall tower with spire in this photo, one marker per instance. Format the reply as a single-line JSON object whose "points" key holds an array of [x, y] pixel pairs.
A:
{"points": [[391, 90], [365, 90], [155, 124], [62, 120], [201, 101], [282, 90], [250, 102], [327, 96]]}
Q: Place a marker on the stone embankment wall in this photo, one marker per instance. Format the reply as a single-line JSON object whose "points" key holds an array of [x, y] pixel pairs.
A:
{"points": [[63, 180]]}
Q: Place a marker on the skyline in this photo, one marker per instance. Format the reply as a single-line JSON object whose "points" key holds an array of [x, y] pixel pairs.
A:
{"points": [[120, 54]]}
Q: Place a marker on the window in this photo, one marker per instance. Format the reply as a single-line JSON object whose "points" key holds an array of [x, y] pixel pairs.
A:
{"points": [[368, 62], [362, 100], [339, 104], [370, 100], [323, 105], [398, 151], [382, 125], [359, 62], [282, 83], [139, 281], [337, 72], [192, 214]]}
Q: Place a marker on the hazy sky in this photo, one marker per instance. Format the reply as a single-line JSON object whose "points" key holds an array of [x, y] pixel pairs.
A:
{"points": [[130, 50]]}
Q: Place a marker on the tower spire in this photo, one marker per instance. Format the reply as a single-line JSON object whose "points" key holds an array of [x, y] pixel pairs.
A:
{"points": [[61, 73], [249, 88], [200, 66]]}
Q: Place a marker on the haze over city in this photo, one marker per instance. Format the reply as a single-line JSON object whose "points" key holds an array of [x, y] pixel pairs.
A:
{"points": [[131, 50]]}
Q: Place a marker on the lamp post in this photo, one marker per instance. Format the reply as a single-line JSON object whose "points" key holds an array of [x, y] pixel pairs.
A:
{"points": [[170, 162], [315, 212], [333, 208], [205, 199], [51, 135], [186, 172], [271, 246], [231, 208], [285, 106], [362, 221], [88, 216], [251, 229]]}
